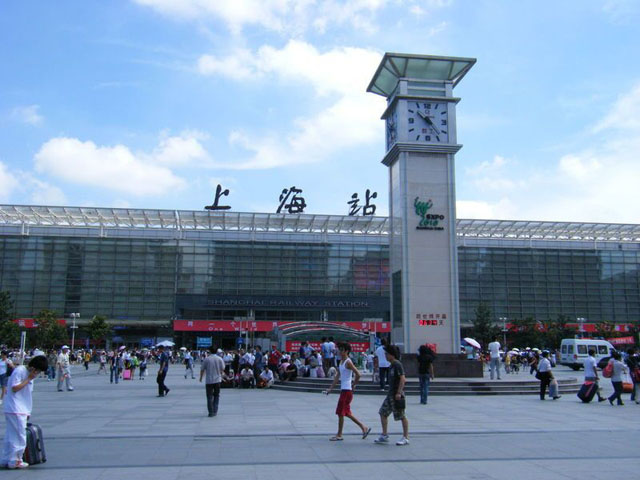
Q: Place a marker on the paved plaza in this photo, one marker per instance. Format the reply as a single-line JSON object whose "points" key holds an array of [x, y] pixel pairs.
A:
{"points": [[103, 431]]}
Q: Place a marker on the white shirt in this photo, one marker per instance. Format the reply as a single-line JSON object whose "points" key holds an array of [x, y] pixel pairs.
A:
{"points": [[494, 348], [266, 375], [63, 360], [345, 376], [18, 402], [544, 365], [382, 359], [590, 367]]}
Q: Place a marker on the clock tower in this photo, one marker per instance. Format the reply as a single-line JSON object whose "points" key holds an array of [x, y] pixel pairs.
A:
{"points": [[421, 146]]}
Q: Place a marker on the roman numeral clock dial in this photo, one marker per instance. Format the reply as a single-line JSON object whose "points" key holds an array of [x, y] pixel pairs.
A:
{"points": [[427, 122]]}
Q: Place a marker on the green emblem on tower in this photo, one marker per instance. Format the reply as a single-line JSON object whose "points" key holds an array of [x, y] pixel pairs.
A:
{"points": [[428, 221]]}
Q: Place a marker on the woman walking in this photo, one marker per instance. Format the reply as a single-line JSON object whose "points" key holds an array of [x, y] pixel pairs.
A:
{"points": [[346, 370], [619, 369]]}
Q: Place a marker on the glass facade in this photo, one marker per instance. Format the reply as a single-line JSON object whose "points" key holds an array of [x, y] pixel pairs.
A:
{"points": [[543, 283], [195, 265], [141, 279]]}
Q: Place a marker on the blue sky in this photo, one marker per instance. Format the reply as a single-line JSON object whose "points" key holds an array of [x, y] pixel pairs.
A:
{"points": [[152, 103]]}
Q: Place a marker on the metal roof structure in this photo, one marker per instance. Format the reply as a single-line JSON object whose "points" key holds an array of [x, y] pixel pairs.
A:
{"points": [[226, 221], [530, 230], [86, 217], [423, 67]]}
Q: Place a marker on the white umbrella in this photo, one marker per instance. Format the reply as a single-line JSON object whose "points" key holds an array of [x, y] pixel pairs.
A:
{"points": [[183, 348], [472, 342], [165, 343]]}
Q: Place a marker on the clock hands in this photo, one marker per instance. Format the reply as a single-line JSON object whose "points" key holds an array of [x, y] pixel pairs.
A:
{"points": [[427, 119]]}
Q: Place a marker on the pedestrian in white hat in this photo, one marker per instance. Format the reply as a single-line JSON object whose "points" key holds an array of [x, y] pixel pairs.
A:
{"points": [[64, 369]]}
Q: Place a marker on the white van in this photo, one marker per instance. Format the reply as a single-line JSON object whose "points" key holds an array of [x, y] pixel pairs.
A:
{"points": [[574, 351]]}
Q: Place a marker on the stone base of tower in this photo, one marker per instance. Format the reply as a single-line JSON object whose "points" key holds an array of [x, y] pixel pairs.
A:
{"points": [[446, 365]]}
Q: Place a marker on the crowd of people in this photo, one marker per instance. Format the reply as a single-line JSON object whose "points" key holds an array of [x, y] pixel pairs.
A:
{"points": [[253, 368]]}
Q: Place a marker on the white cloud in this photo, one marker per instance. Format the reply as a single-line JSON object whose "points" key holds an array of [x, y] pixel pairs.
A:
{"points": [[181, 150], [110, 167], [27, 114], [485, 166], [43, 193], [598, 183], [352, 120], [502, 209], [8, 182], [284, 16], [624, 114]]}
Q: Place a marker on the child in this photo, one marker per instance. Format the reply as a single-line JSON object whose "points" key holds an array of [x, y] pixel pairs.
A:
{"points": [[17, 408]]}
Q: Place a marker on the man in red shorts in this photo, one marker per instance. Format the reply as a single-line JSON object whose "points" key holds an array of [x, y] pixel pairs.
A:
{"points": [[346, 371]]}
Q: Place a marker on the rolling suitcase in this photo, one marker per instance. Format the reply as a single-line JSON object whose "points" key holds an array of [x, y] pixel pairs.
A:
{"points": [[34, 453], [587, 391]]}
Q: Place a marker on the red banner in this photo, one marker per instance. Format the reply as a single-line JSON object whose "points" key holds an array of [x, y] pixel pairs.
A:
{"points": [[294, 346], [621, 341], [31, 322], [262, 326], [222, 326]]}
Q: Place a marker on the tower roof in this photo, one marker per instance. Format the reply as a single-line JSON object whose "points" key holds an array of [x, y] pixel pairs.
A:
{"points": [[421, 67]]}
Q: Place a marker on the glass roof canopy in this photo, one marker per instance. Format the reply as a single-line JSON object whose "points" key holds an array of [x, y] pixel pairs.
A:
{"points": [[421, 67], [224, 221]]}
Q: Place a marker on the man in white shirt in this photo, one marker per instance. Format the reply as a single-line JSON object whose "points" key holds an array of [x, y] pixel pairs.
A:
{"points": [[591, 372], [494, 352], [64, 369], [213, 367], [17, 408], [265, 380], [383, 364]]}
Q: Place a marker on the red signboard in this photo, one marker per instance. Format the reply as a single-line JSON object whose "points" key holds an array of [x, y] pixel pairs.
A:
{"points": [[31, 322], [294, 346], [261, 326], [222, 326], [621, 341]]}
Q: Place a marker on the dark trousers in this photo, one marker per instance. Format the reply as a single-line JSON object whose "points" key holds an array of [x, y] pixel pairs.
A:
{"points": [[162, 388], [213, 397], [384, 376], [617, 392], [545, 380]]}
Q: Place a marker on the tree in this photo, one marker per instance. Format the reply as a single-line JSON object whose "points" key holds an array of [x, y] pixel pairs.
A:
{"points": [[525, 332], [606, 329], [9, 331], [555, 330], [98, 328], [48, 332], [483, 329]]}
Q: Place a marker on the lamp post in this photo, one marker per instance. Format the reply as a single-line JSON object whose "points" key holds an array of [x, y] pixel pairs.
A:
{"points": [[581, 321], [73, 329], [504, 332]]}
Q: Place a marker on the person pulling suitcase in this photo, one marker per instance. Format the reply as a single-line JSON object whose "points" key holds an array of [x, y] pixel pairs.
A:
{"points": [[591, 376], [17, 407]]}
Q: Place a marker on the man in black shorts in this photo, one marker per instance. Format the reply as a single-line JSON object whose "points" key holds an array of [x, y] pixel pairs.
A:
{"points": [[394, 401]]}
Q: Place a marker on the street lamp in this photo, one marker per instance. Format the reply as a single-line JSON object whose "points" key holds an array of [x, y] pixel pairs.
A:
{"points": [[504, 332], [581, 321], [73, 329]]}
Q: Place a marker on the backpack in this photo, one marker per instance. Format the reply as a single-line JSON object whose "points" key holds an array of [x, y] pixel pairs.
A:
{"points": [[607, 372]]}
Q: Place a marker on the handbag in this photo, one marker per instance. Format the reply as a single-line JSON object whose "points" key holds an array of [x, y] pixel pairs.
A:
{"points": [[400, 404], [538, 375], [627, 385], [607, 372]]}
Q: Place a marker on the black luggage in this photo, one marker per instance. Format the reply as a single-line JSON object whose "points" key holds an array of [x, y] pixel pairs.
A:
{"points": [[34, 453], [587, 391]]}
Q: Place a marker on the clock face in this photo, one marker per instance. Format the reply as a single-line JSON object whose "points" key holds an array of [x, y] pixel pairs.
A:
{"points": [[392, 129], [427, 122]]}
